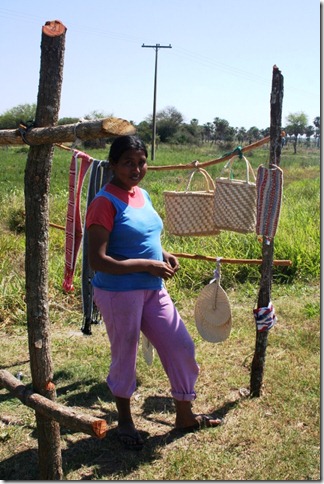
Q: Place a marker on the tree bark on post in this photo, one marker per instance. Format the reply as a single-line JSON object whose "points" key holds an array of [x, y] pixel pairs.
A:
{"points": [[264, 297], [37, 181], [85, 130]]}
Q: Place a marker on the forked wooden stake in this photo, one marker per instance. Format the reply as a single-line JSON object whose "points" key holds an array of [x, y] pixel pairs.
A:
{"points": [[264, 298]]}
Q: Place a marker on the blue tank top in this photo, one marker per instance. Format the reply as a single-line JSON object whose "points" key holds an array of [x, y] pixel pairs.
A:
{"points": [[136, 234]]}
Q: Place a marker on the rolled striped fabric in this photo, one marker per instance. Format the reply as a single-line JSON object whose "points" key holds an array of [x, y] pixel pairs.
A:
{"points": [[269, 185], [73, 227]]}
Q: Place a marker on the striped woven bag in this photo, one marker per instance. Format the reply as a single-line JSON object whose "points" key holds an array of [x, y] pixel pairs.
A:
{"points": [[235, 200], [269, 196]]}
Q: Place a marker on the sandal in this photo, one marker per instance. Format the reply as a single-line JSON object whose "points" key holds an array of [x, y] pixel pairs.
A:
{"points": [[131, 439], [203, 422]]}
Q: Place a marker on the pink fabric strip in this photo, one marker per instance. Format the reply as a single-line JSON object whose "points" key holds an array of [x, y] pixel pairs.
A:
{"points": [[73, 227]]}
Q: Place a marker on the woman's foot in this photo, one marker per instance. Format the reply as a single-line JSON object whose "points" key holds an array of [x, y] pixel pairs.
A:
{"points": [[126, 430], [129, 436], [187, 421], [198, 422]]}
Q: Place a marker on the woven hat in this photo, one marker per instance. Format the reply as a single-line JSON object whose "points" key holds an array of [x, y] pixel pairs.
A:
{"points": [[213, 313], [148, 350]]}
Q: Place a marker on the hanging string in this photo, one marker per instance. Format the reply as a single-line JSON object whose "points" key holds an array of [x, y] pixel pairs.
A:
{"points": [[23, 129], [216, 277], [216, 280], [236, 152]]}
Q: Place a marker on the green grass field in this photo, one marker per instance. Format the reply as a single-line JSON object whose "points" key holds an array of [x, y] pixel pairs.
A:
{"points": [[273, 437]]}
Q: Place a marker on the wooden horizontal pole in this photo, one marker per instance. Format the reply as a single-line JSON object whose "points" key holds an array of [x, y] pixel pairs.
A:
{"points": [[231, 261], [210, 258], [85, 130], [228, 156], [65, 416], [55, 226]]}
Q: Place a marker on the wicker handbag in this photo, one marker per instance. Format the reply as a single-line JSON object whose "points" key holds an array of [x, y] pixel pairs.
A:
{"points": [[191, 212], [235, 201]]}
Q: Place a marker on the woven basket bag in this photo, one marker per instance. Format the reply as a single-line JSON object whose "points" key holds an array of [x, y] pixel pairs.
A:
{"points": [[191, 212], [235, 201]]}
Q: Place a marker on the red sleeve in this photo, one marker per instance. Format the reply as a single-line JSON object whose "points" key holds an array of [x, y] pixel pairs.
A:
{"points": [[101, 212]]}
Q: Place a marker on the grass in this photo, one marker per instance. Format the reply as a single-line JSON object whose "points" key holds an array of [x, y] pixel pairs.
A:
{"points": [[273, 437]]}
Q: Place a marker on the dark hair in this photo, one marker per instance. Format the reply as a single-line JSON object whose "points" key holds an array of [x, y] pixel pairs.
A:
{"points": [[124, 143]]}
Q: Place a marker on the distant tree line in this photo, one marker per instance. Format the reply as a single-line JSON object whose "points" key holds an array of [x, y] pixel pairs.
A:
{"points": [[171, 128]]}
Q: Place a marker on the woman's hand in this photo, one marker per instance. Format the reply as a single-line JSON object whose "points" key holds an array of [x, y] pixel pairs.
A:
{"points": [[160, 269], [171, 260], [98, 238]]}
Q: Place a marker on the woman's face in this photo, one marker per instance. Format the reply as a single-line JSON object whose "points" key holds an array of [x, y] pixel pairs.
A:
{"points": [[130, 169]]}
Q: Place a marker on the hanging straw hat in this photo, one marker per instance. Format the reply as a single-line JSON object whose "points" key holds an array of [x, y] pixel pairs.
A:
{"points": [[148, 350], [213, 313]]}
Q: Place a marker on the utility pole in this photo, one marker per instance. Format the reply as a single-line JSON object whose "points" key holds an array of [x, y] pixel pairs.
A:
{"points": [[156, 47]]}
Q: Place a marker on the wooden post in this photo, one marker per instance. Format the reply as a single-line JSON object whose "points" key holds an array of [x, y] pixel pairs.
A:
{"points": [[37, 181], [264, 298]]}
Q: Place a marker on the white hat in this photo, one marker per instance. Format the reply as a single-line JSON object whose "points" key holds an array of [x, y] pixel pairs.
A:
{"points": [[148, 350], [213, 313]]}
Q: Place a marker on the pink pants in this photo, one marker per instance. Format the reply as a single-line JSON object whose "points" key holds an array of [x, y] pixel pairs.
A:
{"points": [[151, 311]]}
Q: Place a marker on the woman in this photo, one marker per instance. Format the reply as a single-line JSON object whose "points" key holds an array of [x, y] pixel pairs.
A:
{"points": [[130, 266]]}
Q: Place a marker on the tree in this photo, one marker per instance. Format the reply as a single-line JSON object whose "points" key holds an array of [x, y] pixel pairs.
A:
{"points": [[188, 133], [241, 135], [223, 131], [192, 132], [68, 120], [144, 131], [265, 132], [317, 124], [297, 123], [168, 122], [253, 134], [309, 131], [23, 112], [208, 132]]}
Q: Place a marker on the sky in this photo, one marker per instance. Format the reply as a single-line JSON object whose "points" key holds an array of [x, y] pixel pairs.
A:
{"points": [[220, 63]]}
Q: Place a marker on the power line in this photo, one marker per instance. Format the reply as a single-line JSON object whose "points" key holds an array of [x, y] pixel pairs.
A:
{"points": [[156, 47]]}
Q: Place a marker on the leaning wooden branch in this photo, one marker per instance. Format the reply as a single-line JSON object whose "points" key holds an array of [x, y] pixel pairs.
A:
{"points": [[85, 130], [67, 417], [226, 157]]}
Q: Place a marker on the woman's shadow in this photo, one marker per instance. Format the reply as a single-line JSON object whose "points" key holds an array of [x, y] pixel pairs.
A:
{"points": [[108, 457], [94, 458]]}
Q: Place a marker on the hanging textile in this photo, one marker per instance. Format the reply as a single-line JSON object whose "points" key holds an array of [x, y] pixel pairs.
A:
{"points": [[269, 184], [99, 176], [73, 228]]}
